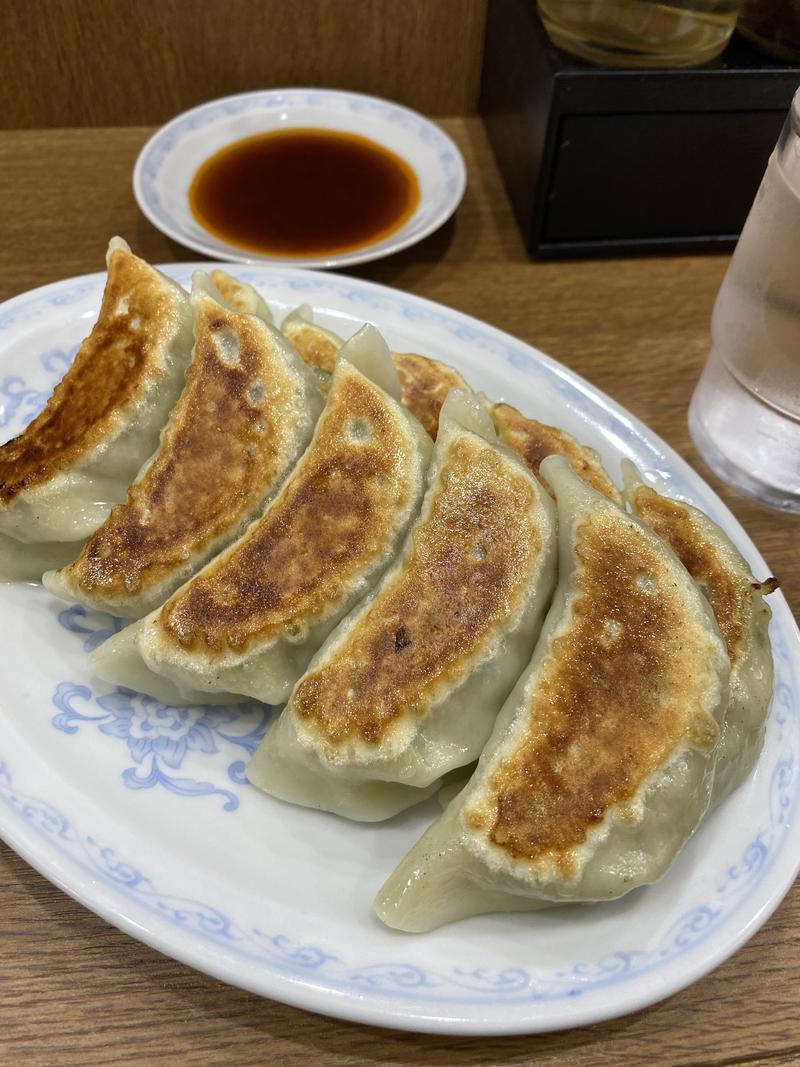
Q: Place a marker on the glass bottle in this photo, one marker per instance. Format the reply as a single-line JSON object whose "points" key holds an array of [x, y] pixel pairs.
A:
{"points": [[641, 33]]}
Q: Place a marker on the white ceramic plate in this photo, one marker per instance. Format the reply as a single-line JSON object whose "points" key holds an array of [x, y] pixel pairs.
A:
{"points": [[168, 162], [142, 813]]}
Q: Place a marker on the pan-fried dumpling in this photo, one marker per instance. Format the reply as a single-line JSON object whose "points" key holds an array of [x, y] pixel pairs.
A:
{"points": [[251, 621], [425, 383], [533, 441], [26, 561], [316, 345], [241, 297], [407, 687], [62, 475], [737, 601], [245, 415], [602, 761]]}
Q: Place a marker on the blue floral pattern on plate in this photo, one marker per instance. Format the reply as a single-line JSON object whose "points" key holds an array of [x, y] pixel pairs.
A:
{"points": [[21, 402], [461, 984], [193, 753], [159, 738]]}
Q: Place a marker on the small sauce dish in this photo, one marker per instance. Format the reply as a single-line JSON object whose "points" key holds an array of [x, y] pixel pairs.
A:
{"points": [[311, 177]]}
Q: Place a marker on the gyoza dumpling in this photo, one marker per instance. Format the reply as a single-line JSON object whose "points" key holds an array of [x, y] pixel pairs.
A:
{"points": [[252, 619], [27, 561], [737, 601], [408, 686], [245, 415], [239, 296], [316, 345], [533, 441], [62, 475], [425, 384], [602, 761]]}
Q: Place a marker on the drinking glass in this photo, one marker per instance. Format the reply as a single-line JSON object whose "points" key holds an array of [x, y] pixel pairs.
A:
{"points": [[745, 413]]}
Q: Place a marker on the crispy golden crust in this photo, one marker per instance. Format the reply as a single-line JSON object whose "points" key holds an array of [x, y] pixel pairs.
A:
{"points": [[236, 295], [331, 520], [425, 384], [316, 348], [459, 581], [113, 367], [610, 703], [729, 590], [534, 441], [224, 443]]}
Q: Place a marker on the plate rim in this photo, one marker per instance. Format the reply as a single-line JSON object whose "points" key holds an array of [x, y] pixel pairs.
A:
{"points": [[326, 1000], [344, 259]]}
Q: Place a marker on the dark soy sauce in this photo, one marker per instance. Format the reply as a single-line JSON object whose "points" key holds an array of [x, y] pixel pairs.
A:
{"points": [[303, 192]]}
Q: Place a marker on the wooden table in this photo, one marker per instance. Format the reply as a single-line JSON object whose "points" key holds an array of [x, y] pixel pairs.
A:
{"points": [[74, 990]]}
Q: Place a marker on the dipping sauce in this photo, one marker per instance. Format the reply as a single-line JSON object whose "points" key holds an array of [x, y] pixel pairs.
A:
{"points": [[303, 192]]}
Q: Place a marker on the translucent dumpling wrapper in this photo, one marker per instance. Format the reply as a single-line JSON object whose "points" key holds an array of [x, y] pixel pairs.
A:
{"points": [[250, 622], [408, 686], [424, 382], [246, 413], [533, 441], [737, 600], [29, 560], [62, 475], [239, 296], [602, 761]]}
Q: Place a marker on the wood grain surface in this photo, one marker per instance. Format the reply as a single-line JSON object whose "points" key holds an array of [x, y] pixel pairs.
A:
{"points": [[73, 990], [84, 63]]}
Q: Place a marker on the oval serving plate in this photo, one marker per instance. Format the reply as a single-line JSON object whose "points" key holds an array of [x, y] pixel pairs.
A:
{"points": [[143, 814], [166, 165]]}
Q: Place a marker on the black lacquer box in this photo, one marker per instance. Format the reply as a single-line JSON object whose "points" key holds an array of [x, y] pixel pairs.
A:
{"points": [[598, 160]]}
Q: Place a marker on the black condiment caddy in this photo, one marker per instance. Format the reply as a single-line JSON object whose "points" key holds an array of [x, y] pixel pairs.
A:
{"points": [[600, 161]]}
